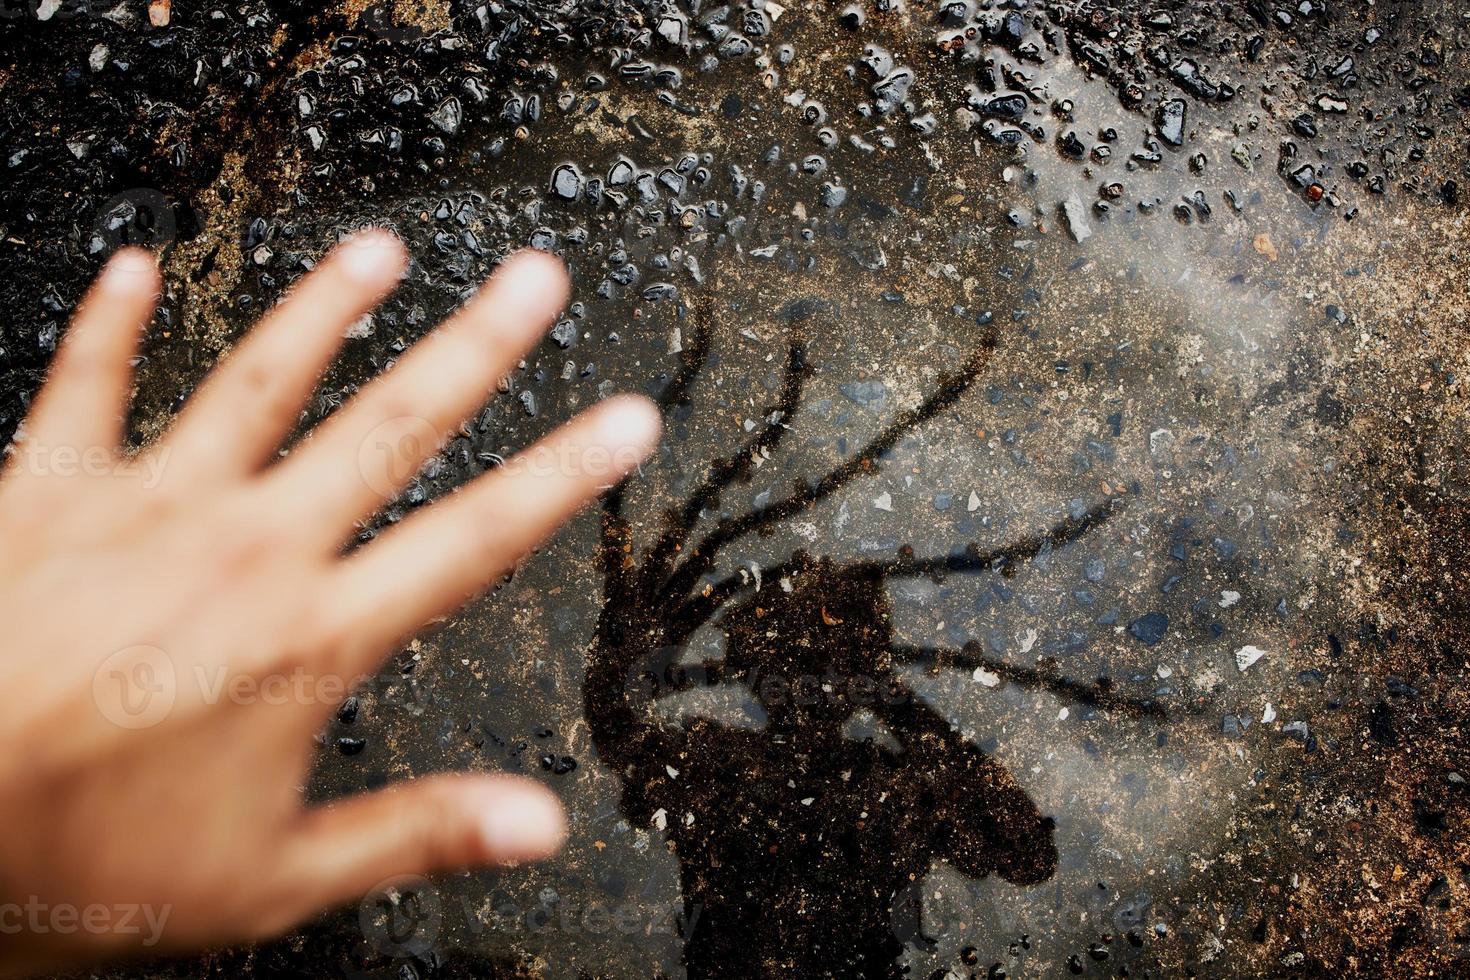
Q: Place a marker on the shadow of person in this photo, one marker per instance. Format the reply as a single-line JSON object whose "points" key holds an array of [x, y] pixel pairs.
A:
{"points": [[799, 847]]}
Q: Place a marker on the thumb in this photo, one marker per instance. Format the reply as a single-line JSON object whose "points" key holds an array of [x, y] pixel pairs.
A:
{"points": [[437, 823]]}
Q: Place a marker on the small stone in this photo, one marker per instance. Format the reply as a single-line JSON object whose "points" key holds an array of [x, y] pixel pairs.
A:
{"points": [[1149, 628], [1248, 655], [1074, 213], [566, 182], [1170, 121], [448, 116]]}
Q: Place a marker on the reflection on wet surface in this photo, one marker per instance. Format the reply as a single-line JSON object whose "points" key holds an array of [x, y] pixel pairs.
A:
{"points": [[1051, 564]]}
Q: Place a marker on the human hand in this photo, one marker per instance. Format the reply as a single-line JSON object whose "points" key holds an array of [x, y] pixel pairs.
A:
{"points": [[135, 589]]}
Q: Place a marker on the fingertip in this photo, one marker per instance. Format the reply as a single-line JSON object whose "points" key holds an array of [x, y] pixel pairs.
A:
{"points": [[521, 820], [541, 273], [630, 421], [130, 269], [373, 257]]}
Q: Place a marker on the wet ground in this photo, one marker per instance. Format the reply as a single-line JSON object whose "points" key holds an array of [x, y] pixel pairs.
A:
{"points": [[1054, 562]]}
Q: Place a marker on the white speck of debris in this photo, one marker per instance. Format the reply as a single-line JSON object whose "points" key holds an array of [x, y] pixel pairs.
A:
{"points": [[1027, 640], [808, 800], [46, 9], [756, 571], [1062, 715], [362, 327], [1269, 715], [673, 773], [676, 341], [1248, 655], [775, 10], [986, 677], [884, 501], [1228, 598], [97, 60], [974, 503], [689, 818], [786, 585], [661, 818], [1165, 671]]}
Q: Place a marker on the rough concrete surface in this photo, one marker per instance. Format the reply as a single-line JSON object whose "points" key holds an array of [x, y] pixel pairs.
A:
{"points": [[1054, 564]]}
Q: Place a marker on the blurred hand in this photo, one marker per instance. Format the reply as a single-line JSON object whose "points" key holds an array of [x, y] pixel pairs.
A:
{"points": [[150, 769]]}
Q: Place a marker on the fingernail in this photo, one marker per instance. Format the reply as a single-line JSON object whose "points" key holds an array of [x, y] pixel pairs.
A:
{"points": [[373, 256], [126, 267], [523, 822]]}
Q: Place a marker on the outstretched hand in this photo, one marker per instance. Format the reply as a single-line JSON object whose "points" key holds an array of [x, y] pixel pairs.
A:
{"points": [[138, 591]]}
